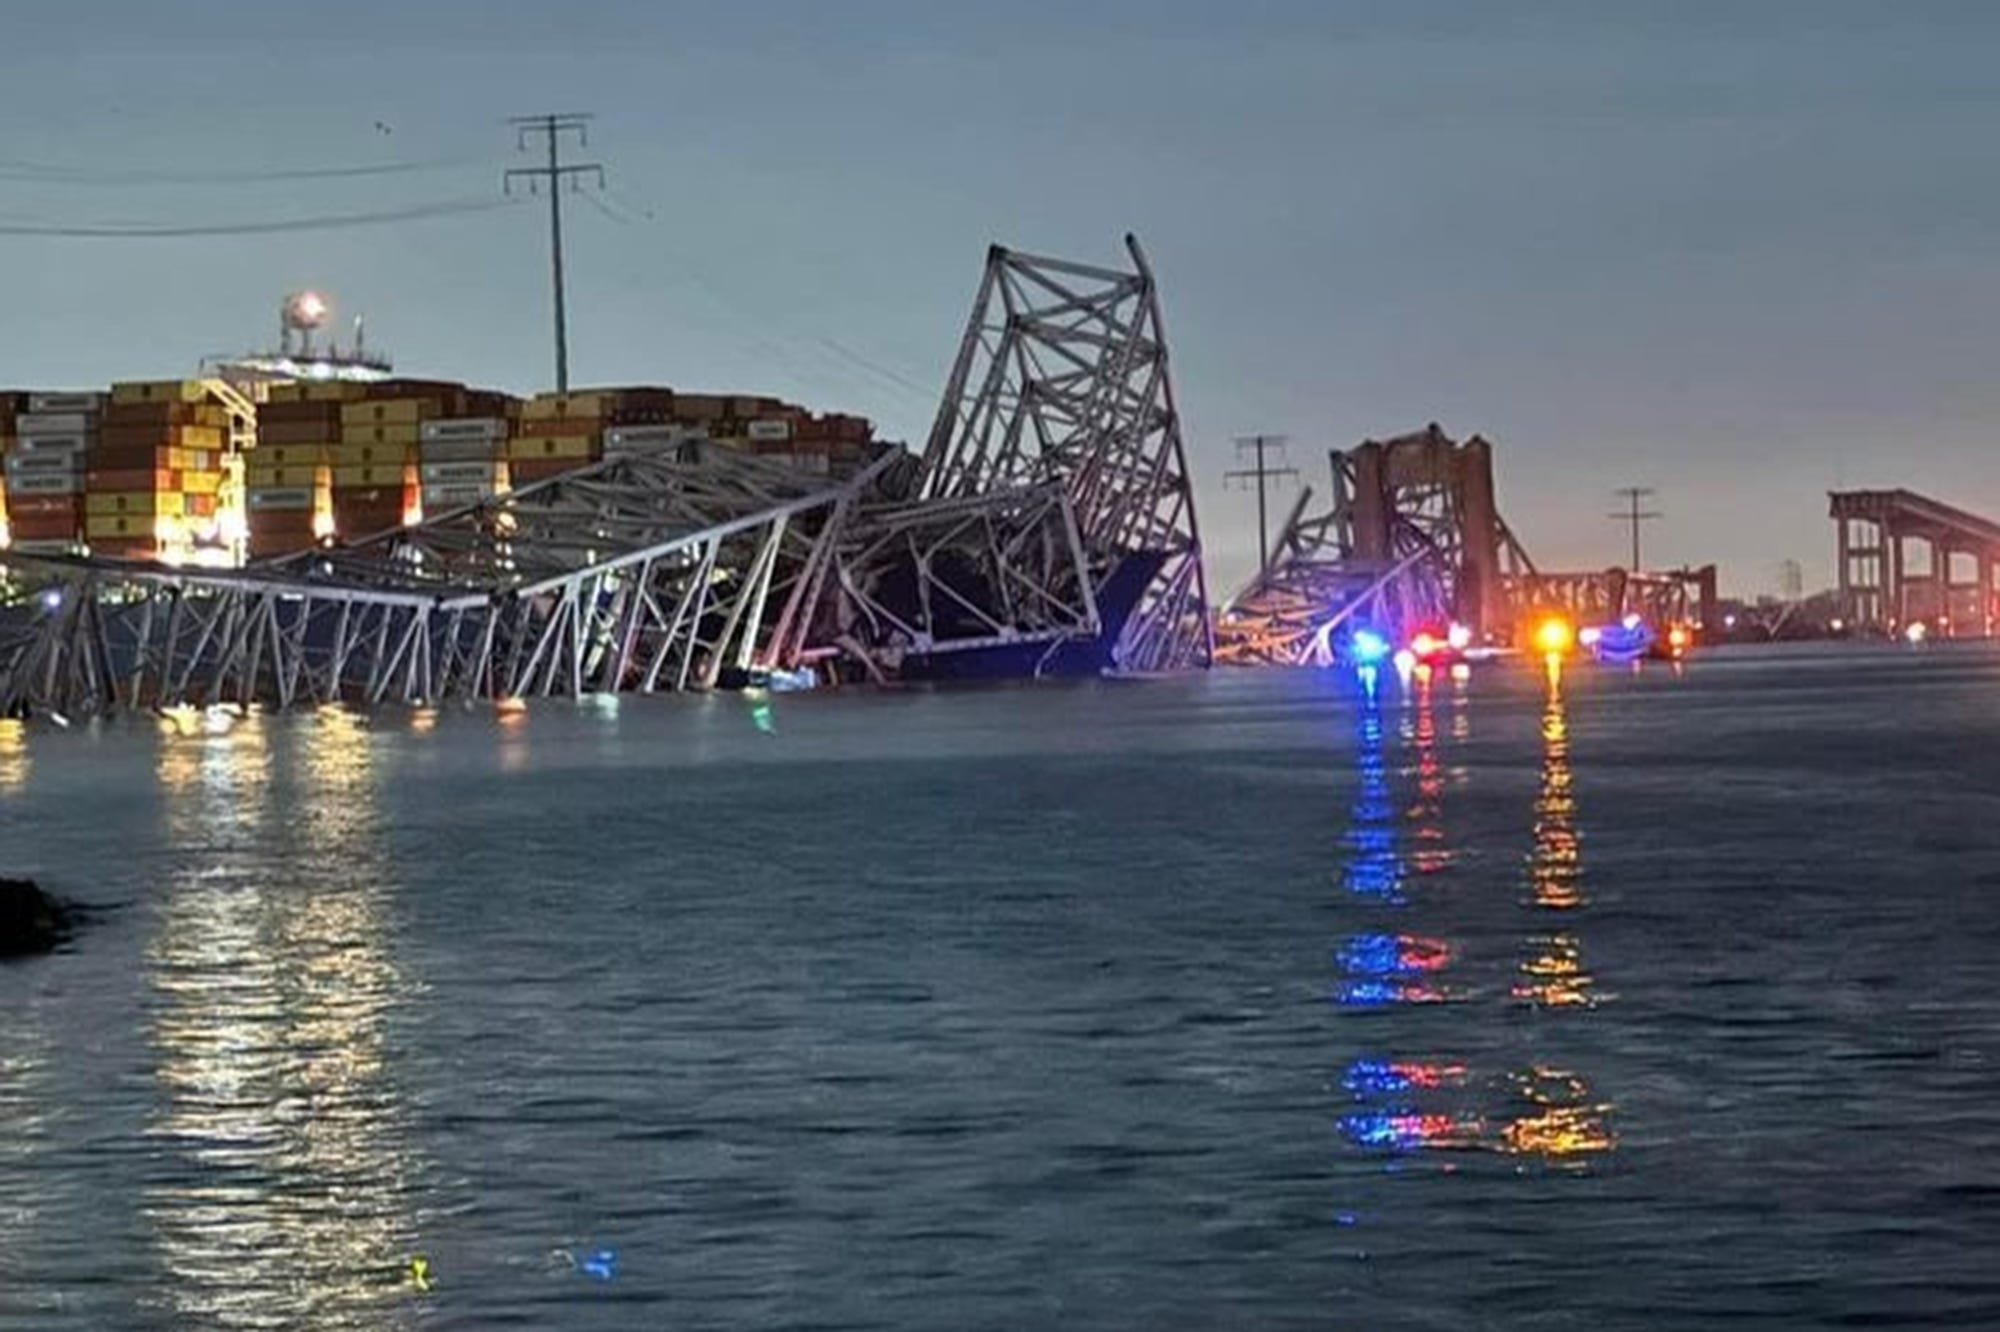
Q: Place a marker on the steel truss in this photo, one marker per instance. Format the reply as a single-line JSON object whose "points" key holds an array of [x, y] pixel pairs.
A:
{"points": [[1062, 380], [1051, 507], [1412, 537], [640, 573]]}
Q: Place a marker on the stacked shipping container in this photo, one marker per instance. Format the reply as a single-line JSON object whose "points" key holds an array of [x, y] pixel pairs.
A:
{"points": [[51, 434], [152, 481], [288, 477]]}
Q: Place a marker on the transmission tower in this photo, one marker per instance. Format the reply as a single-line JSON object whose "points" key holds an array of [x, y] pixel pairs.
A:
{"points": [[1634, 515], [1256, 446], [550, 129]]}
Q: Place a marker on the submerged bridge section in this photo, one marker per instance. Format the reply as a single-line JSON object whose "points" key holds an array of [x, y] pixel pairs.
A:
{"points": [[1905, 558], [1048, 526], [1413, 538]]}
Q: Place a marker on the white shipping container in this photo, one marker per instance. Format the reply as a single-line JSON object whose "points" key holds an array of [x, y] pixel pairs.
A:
{"points": [[281, 497], [46, 547], [54, 423], [65, 402], [449, 473], [463, 428], [779, 429], [454, 496], [45, 443], [46, 483], [650, 434], [39, 464]]}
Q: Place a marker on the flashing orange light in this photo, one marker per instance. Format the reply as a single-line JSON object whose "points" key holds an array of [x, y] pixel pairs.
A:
{"points": [[1679, 639], [1555, 636], [1425, 644]]}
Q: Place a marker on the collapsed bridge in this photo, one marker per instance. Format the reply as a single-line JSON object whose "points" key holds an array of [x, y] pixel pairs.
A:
{"points": [[1047, 526]]}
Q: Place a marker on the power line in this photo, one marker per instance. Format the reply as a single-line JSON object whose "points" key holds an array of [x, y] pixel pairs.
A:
{"points": [[1632, 515], [45, 173], [551, 128], [1257, 444], [328, 222]]}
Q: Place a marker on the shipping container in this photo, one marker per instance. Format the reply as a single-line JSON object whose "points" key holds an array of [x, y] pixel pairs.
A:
{"points": [[180, 436], [287, 455], [297, 435], [83, 404], [403, 433], [355, 455], [770, 429], [157, 503], [545, 407], [439, 498], [201, 483], [335, 390], [54, 423], [478, 428], [159, 390], [98, 479], [260, 475], [700, 407], [533, 447], [130, 414], [22, 463], [461, 450], [53, 443], [380, 474], [280, 498], [128, 525], [294, 413], [447, 473], [391, 411]]}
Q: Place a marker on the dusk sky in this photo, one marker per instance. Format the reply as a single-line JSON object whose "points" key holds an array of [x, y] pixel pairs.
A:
{"points": [[1742, 253]]}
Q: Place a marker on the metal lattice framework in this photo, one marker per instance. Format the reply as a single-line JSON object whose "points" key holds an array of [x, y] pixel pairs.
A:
{"points": [[1412, 537], [1049, 524], [1062, 380], [641, 573]]}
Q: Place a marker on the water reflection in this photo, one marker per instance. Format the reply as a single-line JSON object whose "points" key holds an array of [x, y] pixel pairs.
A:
{"points": [[24, 1121], [14, 761], [1403, 1105], [1373, 868], [280, 1198], [1555, 869], [1430, 851]]}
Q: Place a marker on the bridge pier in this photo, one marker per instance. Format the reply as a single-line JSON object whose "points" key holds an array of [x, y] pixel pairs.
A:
{"points": [[1884, 587]]}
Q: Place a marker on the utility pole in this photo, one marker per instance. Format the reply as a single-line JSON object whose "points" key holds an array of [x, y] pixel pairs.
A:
{"points": [[551, 129], [1634, 516], [1257, 445]]}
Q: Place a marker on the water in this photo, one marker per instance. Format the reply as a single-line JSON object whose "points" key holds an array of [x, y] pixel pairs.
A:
{"points": [[1237, 1002]]}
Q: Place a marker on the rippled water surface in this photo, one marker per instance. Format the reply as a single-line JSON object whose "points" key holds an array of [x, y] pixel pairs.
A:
{"points": [[1240, 1002]]}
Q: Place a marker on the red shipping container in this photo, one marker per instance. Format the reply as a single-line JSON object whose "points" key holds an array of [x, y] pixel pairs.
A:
{"points": [[104, 482], [134, 414], [298, 432]]}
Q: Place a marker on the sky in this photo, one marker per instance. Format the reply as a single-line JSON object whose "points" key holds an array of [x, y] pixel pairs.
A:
{"points": [[1740, 253]]}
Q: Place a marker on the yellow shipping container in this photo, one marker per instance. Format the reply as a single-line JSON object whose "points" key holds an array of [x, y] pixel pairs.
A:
{"points": [[159, 390], [380, 474], [263, 476], [390, 411], [150, 503], [287, 455], [127, 525], [201, 437], [201, 483], [285, 392], [559, 406], [392, 432], [527, 448], [212, 414], [334, 390], [354, 455]]}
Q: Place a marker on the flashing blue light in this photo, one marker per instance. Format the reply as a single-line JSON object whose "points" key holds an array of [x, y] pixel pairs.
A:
{"points": [[1372, 955], [1374, 1077], [602, 1264], [1368, 994], [1367, 647]]}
